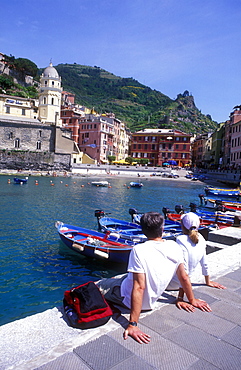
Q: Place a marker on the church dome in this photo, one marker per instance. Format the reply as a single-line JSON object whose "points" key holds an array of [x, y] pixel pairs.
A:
{"points": [[50, 71]]}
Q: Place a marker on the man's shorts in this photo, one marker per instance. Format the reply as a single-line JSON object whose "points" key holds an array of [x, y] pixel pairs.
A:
{"points": [[110, 288]]}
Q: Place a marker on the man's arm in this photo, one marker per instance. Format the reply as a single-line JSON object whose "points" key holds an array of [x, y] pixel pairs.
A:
{"points": [[139, 284], [213, 284], [187, 287]]}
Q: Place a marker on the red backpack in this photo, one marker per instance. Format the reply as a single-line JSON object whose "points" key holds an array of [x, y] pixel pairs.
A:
{"points": [[85, 306]]}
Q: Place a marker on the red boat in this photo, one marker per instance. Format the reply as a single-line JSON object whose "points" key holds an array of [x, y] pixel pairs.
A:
{"points": [[220, 224]]}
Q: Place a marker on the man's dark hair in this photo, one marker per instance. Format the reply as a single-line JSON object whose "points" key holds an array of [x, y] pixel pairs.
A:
{"points": [[152, 224]]}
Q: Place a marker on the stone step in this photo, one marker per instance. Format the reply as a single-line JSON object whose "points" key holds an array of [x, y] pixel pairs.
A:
{"points": [[214, 246], [228, 235]]}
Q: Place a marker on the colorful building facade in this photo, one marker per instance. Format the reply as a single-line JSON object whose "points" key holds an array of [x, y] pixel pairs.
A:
{"points": [[161, 146]]}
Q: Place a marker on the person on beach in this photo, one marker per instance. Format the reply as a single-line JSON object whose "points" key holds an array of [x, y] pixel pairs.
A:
{"points": [[151, 267], [193, 247]]}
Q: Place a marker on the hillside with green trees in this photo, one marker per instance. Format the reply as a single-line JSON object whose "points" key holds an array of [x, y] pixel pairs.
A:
{"points": [[132, 102], [17, 69], [137, 105]]}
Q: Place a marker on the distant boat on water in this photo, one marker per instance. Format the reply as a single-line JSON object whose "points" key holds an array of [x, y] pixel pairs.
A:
{"points": [[100, 183], [136, 184], [20, 181]]}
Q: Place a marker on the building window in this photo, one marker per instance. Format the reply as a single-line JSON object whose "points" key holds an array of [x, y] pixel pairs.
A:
{"points": [[46, 83], [7, 109], [184, 146], [52, 101], [40, 133], [177, 138], [145, 146], [23, 112], [17, 143], [52, 83], [44, 100], [177, 146], [153, 147], [10, 135], [38, 146], [185, 139]]}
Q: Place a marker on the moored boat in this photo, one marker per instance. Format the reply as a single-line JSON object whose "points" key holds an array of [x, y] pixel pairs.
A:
{"points": [[222, 192], [203, 221], [227, 204], [132, 231], [100, 183], [134, 184], [94, 244], [20, 181]]}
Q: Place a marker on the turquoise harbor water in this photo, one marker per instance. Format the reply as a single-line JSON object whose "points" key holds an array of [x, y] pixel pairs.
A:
{"points": [[36, 268]]}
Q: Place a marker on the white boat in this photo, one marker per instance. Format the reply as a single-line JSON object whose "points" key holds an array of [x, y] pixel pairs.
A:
{"points": [[100, 183]]}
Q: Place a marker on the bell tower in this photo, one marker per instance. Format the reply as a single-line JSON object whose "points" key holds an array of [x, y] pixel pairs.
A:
{"points": [[50, 97]]}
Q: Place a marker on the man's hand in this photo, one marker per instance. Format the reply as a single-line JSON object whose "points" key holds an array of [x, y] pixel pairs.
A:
{"points": [[202, 305], [184, 306], [216, 285], [137, 334]]}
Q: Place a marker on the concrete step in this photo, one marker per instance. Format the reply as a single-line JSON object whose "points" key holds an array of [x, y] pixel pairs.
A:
{"points": [[228, 235], [214, 246]]}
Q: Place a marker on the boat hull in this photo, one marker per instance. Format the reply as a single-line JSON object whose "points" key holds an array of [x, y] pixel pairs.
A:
{"points": [[230, 193], [132, 231], [94, 244]]}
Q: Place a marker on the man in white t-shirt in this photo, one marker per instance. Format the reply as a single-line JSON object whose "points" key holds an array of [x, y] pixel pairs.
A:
{"points": [[151, 267]]}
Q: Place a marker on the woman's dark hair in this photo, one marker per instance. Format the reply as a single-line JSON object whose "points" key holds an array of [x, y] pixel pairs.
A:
{"points": [[152, 224]]}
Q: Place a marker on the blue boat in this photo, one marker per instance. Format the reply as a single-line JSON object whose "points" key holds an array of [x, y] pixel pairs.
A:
{"points": [[130, 230], [94, 244], [20, 181], [221, 192]]}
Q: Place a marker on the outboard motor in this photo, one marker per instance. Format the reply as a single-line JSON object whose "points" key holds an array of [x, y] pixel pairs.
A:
{"points": [[179, 209], [220, 208], [132, 212], [165, 211], [193, 207], [202, 199], [99, 213]]}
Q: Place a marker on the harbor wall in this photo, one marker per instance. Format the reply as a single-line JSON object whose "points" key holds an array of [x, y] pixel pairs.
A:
{"points": [[36, 161]]}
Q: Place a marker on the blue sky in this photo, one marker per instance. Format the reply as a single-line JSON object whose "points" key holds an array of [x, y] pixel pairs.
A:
{"points": [[168, 45]]}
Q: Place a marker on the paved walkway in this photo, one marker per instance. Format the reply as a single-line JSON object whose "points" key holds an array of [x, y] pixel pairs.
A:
{"points": [[179, 340]]}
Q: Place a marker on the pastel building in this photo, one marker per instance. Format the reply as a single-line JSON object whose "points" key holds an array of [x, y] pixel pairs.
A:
{"points": [[161, 145], [96, 135]]}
